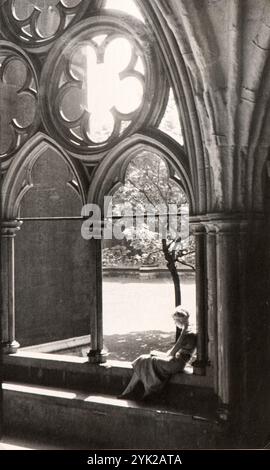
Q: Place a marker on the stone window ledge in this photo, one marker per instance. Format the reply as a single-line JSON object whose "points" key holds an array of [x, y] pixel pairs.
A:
{"points": [[29, 359]]}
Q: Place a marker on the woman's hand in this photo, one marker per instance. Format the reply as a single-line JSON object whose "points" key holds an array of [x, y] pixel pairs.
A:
{"points": [[159, 353], [173, 350]]}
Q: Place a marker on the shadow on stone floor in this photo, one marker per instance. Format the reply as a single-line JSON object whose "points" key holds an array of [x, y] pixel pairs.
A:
{"points": [[126, 347]]}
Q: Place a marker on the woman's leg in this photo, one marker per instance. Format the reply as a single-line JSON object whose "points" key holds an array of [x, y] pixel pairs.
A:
{"points": [[131, 385]]}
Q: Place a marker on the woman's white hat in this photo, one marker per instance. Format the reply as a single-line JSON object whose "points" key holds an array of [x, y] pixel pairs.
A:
{"points": [[181, 310]]}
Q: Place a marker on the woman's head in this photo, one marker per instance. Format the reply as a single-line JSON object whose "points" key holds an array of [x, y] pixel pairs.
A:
{"points": [[181, 317]]}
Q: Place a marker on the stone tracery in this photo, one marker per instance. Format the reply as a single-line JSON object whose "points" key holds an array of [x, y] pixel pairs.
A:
{"points": [[18, 95], [35, 23], [102, 84]]}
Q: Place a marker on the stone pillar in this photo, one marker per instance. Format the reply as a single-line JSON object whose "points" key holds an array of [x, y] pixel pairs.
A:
{"points": [[199, 366], [254, 362], [211, 296], [230, 310], [233, 305], [8, 233], [96, 354]]}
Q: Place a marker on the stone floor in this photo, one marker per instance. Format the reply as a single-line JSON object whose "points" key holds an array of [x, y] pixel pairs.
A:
{"points": [[15, 443], [28, 442]]}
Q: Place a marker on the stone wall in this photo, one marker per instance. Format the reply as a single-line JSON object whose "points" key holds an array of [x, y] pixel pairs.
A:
{"points": [[52, 264]]}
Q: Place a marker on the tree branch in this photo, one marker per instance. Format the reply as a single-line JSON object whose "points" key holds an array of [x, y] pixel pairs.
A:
{"points": [[141, 191], [185, 263]]}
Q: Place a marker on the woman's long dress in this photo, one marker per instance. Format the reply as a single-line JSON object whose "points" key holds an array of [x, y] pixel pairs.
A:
{"points": [[154, 371]]}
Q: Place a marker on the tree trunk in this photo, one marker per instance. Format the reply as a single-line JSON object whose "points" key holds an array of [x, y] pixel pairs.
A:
{"points": [[171, 265]]}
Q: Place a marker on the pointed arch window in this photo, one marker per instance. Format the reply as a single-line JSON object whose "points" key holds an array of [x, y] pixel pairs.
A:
{"points": [[151, 245], [105, 96], [144, 173]]}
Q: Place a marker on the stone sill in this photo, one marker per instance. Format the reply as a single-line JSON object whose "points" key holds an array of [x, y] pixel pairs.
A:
{"points": [[58, 362], [98, 402], [97, 420]]}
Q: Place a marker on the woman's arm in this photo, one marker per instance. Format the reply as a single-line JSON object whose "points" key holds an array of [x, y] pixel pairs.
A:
{"points": [[157, 353], [178, 344], [176, 347]]}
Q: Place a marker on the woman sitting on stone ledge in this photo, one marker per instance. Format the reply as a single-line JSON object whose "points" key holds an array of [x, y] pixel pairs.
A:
{"points": [[155, 369]]}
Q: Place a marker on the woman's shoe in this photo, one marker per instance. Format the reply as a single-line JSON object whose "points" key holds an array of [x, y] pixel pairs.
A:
{"points": [[127, 396]]}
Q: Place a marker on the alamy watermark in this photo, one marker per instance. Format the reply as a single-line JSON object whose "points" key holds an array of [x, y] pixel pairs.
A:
{"points": [[163, 221]]}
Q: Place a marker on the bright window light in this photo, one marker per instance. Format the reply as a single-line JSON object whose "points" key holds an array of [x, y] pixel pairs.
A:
{"points": [[170, 123], [128, 6], [104, 88]]}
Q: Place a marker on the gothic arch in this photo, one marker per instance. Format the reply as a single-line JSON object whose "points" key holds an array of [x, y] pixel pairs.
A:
{"points": [[18, 179], [112, 169], [179, 76]]}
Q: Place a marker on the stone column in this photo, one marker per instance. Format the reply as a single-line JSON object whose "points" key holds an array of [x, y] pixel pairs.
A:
{"points": [[96, 354], [8, 233], [229, 308], [199, 366], [211, 297]]}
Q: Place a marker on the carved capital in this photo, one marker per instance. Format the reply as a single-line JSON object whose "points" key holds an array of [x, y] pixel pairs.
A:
{"points": [[197, 228], [9, 228]]}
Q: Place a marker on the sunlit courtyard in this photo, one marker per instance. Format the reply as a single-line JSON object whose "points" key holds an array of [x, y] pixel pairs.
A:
{"points": [[142, 305], [137, 315]]}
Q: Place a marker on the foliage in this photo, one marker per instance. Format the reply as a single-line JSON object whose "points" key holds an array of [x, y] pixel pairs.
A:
{"points": [[149, 186]]}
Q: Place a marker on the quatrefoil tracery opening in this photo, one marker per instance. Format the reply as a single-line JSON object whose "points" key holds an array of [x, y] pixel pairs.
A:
{"points": [[107, 88], [100, 85], [36, 23], [18, 100]]}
